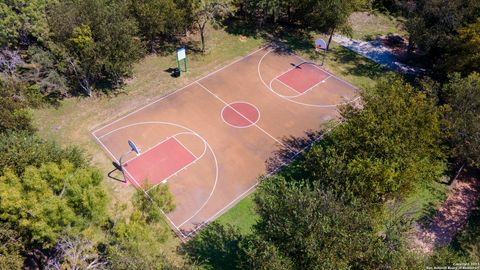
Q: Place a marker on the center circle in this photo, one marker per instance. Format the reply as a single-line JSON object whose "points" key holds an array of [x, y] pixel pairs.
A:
{"points": [[240, 114]]}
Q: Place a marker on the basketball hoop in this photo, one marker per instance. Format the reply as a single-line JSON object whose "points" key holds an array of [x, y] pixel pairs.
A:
{"points": [[321, 45]]}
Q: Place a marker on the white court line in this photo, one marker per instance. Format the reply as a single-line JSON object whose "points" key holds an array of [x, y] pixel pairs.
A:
{"points": [[192, 132], [179, 142], [148, 196], [224, 102], [301, 93], [235, 102], [178, 90], [325, 70], [259, 64], [184, 167], [280, 81], [258, 70], [244, 194]]}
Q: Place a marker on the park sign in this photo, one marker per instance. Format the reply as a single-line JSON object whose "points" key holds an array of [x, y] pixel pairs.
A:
{"points": [[182, 55]]}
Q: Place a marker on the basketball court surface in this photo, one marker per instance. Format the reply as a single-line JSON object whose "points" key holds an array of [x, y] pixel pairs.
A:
{"points": [[209, 140]]}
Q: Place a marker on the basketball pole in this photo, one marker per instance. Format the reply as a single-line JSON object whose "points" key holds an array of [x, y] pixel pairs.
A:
{"points": [[121, 164], [324, 56]]}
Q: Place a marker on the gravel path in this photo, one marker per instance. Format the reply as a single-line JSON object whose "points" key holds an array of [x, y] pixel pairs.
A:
{"points": [[378, 53], [450, 218]]}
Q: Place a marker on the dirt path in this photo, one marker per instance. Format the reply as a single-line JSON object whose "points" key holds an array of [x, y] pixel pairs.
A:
{"points": [[451, 217]]}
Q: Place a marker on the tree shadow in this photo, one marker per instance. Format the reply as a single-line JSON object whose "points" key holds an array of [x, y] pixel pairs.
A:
{"points": [[292, 149], [357, 64], [291, 38]]}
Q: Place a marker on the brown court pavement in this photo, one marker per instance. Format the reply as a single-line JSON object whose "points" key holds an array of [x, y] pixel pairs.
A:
{"points": [[231, 159]]}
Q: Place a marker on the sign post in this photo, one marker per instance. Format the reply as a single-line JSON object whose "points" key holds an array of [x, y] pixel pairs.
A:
{"points": [[182, 55], [320, 44]]}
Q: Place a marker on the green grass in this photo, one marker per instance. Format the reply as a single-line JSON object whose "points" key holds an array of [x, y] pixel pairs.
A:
{"points": [[368, 25], [424, 200], [241, 215]]}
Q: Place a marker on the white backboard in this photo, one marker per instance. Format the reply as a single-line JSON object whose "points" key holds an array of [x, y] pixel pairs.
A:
{"points": [[320, 43]]}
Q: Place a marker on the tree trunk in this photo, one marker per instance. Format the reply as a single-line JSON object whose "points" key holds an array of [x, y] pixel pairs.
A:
{"points": [[410, 45], [330, 39], [202, 36]]}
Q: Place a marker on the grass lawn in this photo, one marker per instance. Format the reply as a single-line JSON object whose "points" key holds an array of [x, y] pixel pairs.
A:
{"points": [[241, 215], [423, 202], [369, 25]]}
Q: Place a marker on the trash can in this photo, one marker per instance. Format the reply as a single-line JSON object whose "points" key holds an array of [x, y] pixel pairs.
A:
{"points": [[176, 73]]}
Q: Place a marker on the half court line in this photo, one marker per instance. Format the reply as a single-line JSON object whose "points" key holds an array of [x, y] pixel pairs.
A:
{"points": [[226, 104]]}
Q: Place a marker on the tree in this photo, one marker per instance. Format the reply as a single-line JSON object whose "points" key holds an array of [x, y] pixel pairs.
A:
{"points": [[18, 150], [159, 198], [156, 19], [464, 54], [317, 230], [330, 15], [24, 21], [208, 11], [96, 40], [224, 247], [14, 112], [433, 24], [137, 244], [42, 202], [463, 96], [384, 148], [75, 253], [11, 248]]}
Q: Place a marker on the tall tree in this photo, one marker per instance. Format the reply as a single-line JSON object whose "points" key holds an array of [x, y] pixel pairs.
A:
{"points": [[464, 54], [97, 40], [463, 96], [157, 19], [14, 112], [317, 230], [384, 148], [24, 21], [433, 24], [42, 202], [208, 11], [75, 253]]}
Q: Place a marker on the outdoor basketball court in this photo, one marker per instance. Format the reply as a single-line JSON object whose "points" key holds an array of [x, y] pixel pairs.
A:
{"points": [[210, 139]]}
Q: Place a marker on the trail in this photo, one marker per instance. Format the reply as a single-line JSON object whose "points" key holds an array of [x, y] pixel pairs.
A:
{"points": [[451, 217], [378, 53]]}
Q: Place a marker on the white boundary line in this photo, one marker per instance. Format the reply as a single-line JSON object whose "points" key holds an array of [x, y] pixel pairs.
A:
{"points": [[178, 90], [304, 92], [297, 102], [148, 196], [216, 161], [184, 167], [276, 79], [191, 131], [236, 102], [244, 194], [224, 102], [179, 142], [323, 69]]}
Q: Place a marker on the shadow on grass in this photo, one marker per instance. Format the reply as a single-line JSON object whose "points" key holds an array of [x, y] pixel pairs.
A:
{"points": [[356, 64], [284, 38]]}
